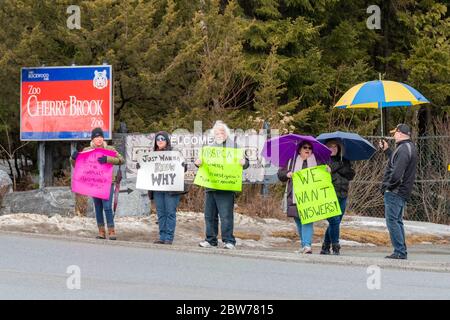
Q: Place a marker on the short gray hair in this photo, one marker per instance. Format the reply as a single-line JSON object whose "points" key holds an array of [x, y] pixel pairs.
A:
{"points": [[219, 124]]}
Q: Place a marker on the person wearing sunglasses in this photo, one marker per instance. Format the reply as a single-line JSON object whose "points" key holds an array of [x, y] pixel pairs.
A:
{"points": [[341, 173], [304, 159], [166, 201]]}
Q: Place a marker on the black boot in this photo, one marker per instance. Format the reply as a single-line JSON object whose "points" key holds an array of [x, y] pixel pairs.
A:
{"points": [[336, 248], [325, 248]]}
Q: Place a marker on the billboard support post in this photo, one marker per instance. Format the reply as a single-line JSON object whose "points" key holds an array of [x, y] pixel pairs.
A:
{"points": [[41, 163], [73, 147]]}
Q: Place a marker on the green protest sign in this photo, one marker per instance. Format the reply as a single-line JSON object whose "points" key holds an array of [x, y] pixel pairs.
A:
{"points": [[220, 169], [315, 195]]}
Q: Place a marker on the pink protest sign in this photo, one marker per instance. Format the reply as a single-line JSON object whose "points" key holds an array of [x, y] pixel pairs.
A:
{"points": [[90, 177]]}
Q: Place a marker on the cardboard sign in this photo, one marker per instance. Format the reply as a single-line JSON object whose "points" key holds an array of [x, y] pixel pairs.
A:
{"points": [[161, 171], [220, 169], [65, 103], [315, 195], [90, 177]]}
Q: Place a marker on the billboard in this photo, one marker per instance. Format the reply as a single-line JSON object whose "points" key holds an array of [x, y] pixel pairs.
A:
{"points": [[65, 103]]}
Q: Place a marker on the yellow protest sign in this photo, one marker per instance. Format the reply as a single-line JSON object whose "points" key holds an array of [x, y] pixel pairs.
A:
{"points": [[220, 169], [315, 195]]}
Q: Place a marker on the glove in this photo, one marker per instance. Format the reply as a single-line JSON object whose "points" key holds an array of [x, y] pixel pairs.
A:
{"points": [[138, 166], [74, 155], [103, 159]]}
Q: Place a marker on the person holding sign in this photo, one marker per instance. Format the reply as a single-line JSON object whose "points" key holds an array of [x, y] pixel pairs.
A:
{"points": [[304, 159], [342, 173], [166, 201], [219, 200], [97, 141]]}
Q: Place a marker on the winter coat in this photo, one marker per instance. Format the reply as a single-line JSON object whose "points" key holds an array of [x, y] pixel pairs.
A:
{"points": [[401, 169], [341, 173]]}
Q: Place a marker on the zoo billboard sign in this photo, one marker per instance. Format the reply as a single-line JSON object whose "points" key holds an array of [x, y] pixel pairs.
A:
{"points": [[65, 103]]}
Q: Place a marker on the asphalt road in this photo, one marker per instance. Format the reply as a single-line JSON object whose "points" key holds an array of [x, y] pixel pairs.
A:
{"points": [[34, 268]]}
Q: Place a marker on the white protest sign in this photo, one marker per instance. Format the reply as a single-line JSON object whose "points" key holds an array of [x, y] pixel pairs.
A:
{"points": [[161, 171]]}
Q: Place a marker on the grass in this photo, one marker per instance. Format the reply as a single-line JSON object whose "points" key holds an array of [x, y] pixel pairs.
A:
{"points": [[378, 238]]}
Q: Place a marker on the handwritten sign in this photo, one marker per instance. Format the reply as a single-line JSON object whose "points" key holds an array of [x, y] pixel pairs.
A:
{"points": [[90, 177], [315, 195], [161, 171], [220, 169]]}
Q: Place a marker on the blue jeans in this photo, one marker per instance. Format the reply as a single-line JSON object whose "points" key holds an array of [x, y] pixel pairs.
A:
{"points": [[394, 206], [219, 204], [305, 232], [166, 209], [104, 205], [333, 230]]}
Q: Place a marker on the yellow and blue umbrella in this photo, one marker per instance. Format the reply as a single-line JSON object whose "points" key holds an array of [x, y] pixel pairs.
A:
{"points": [[380, 94]]}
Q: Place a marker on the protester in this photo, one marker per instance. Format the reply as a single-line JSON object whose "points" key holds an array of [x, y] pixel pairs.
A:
{"points": [[304, 159], [97, 141], [397, 186], [166, 201], [220, 203], [341, 174]]}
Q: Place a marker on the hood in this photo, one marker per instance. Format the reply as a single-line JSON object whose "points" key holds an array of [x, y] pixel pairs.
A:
{"points": [[165, 135]]}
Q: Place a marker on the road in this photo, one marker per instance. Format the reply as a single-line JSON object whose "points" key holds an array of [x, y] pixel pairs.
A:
{"points": [[36, 268]]}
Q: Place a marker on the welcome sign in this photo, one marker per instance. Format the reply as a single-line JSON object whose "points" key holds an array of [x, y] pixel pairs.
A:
{"points": [[65, 103]]}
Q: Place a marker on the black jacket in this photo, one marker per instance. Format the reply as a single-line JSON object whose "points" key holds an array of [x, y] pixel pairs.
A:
{"points": [[341, 173], [401, 169]]}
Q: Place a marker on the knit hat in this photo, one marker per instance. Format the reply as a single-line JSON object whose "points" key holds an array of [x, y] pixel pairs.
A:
{"points": [[97, 132]]}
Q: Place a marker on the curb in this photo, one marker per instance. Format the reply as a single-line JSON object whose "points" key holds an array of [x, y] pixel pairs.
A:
{"points": [[254, 254]]}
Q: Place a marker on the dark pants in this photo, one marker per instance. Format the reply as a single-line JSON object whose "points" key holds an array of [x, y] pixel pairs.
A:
{"points": [[166, 209], [104, 205], [394, 206], [334, 224], [219, 204]]}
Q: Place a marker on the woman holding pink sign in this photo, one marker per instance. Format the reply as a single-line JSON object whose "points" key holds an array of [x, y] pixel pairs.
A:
{"points": [[97, 141]]}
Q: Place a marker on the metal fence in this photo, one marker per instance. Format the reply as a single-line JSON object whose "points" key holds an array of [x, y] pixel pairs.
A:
{"points": [[430, 201]]}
